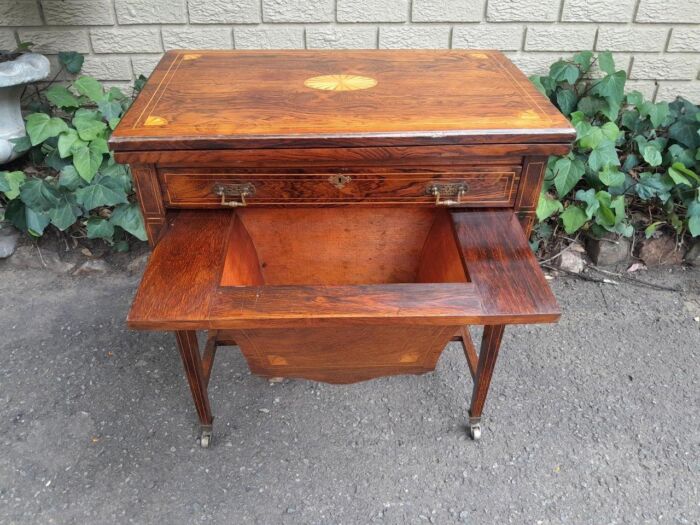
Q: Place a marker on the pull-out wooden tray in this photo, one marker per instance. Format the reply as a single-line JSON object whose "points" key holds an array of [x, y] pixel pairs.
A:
{"points": [[343, 294]]}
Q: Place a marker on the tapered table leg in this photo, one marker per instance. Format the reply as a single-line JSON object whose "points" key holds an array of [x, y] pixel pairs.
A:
{"points": [[490, 344], [192, 361]]}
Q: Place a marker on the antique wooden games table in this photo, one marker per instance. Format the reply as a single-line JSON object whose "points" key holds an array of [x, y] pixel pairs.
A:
{"points": [[339, 216]]}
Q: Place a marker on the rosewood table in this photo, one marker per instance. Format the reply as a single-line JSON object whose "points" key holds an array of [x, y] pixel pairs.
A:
{"points": [[339, 216]]}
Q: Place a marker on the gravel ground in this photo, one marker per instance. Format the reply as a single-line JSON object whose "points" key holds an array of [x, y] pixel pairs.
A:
{"points": [[593, 420]]}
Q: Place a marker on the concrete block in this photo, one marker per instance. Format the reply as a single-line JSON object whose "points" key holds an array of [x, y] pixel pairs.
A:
{"points": [[684, 39], [19, 13], [689, 90], [404, 37], [631, 38], [151, 11], [523, 10], [126, 40], [78, 12], [560, 37], [488, 36], [664, 11], [372, 10], [598, 10], [298, 10], [183, 37], [269, 37], [224, 11], [447, 10], [667, 67], [144, 65], [108, 68], [341, 37], [55, 40]]}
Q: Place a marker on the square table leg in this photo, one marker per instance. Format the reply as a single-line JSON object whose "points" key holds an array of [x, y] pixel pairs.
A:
{"points": [[197, 378], [490, 344]]}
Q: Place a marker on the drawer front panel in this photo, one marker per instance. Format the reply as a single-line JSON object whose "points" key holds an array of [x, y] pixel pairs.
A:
{"points": [[494, 186]]}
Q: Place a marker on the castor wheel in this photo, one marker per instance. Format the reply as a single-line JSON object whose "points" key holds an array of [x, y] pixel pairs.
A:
{"points": [[475, 431], [205, 437]]}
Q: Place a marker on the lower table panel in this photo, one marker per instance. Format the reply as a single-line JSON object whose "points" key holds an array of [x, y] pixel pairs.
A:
{"points": [[341, 354]]}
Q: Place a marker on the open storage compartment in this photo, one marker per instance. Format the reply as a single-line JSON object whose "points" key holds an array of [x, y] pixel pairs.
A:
{"points": [[341, 246]]}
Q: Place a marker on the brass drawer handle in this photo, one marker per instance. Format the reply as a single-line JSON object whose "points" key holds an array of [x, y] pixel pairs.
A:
{"points": [[450, 190], [244, 190]]}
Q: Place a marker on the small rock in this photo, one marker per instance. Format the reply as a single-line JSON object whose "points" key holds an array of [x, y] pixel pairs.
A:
{"points": [[92, 266], [571, 261], [8, 241], [138, 264], [660, 251], [608, 250], [692, 256], [464, 516]]}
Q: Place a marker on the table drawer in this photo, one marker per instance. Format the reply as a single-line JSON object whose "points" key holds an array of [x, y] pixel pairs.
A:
{"points": [[468, 186]]}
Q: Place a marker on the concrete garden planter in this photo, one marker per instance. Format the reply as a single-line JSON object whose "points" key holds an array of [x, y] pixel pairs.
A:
{"points": [[14, 74]]}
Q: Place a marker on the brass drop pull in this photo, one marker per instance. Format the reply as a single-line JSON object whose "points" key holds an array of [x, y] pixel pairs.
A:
{"points": [[454, 191], [244, 190]]}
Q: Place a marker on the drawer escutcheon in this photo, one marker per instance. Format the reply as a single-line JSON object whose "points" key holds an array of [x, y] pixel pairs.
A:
{"points": [[339, 180]]}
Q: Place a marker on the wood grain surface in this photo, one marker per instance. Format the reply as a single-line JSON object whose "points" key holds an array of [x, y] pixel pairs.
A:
{"points": [[258, 99]]}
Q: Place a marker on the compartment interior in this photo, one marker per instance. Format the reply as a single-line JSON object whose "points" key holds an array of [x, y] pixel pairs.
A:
{"points": [[341, 246]]}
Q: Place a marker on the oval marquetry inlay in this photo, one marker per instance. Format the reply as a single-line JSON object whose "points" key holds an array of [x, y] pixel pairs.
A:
{"points": [[340, 82]]}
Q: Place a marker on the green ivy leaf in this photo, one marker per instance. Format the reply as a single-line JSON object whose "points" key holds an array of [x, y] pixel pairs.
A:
{"points": [[685, 132], [547, 206], [635, 98], [89, 87], [70, 179], [611, 176], [101, 192], [38, 194], [536, 80], [657, 113], [36, 221], [653, 185], [651, 155], [21, 144], [88, 124], [606, 62], [566, 101], [128, 217], [678, 177], [110, 110], [563, 71], [611, 87], [87, 160], [651, 229], [591, 201], [590, 106], [66, 141], [573, 218], [63, 214], [60, 96], [41, 127], [71, 60], [583, 60], [10, 182], [567, 173], [602, 156], [610, 131], [99, 228], [694, 225], [685, 171]]}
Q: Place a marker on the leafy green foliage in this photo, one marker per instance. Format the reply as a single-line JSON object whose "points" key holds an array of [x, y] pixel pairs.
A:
{"points": [[629, 154], [74, 181]]}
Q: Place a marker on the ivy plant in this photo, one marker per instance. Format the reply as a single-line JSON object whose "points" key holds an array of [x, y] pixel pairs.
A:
{"points": [[70, 180], [629, 154]]}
